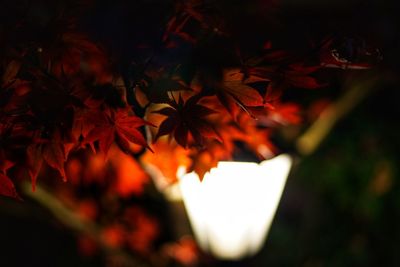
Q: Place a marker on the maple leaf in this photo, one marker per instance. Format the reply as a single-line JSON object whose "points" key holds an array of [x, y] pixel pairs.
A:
{"points": [[203, 161], [257, 141], [213, 151], [186, 121], [235, 93], [54, 152], [120, 127], [7, 187], [55, 156], [283, 76], [282, 69], [83, 122]]}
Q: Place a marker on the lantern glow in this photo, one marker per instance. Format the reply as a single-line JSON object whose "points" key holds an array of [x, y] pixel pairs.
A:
{"points": [[232, 209]]}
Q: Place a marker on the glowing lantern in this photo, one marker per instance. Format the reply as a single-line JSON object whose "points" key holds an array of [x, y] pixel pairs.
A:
{"points": [[231, 210]]}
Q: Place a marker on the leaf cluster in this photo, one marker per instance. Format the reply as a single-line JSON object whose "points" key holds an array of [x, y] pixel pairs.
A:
{"points": [[179, 78]]}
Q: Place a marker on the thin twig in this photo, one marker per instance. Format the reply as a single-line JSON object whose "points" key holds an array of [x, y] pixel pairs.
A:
{"points": [[70, 219], [357, 90]]}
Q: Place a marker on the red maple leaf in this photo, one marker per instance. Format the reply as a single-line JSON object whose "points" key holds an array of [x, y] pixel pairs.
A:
{"points": [[283, 76], [55, 156], [117, 126], [213, 151], [234, 91], [54, 152], [204, 161], [83, 122], [281, 69], [187, 122]]}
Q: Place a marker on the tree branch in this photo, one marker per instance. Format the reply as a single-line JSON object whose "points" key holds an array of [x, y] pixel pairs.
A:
{"points": [[358, 89], [71, 220]]}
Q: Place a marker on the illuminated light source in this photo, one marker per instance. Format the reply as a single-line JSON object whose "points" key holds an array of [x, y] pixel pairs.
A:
{"points": [[232, 209]]}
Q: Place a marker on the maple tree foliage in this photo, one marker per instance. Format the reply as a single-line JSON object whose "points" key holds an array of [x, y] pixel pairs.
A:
{"points": [[63, 90], [104, 100]]}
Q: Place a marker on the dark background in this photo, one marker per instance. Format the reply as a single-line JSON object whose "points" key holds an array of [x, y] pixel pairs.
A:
{"points": [[341, 204]]}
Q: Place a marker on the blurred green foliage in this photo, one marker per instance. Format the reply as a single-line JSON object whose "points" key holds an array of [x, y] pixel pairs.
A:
{"points": [[341, 204]]}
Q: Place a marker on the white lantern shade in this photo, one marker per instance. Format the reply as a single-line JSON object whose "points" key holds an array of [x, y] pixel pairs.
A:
{"points": [[232, 209]]}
